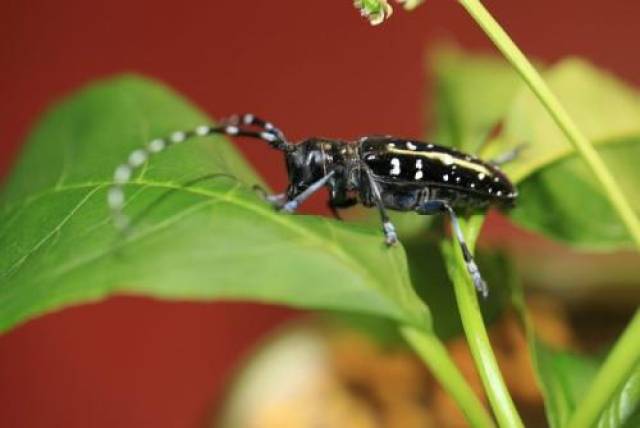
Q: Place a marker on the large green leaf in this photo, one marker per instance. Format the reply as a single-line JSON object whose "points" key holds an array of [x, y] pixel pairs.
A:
{"points": [[603, 107], [559, 196], [473, 93], [565, 201], [196, 236]]}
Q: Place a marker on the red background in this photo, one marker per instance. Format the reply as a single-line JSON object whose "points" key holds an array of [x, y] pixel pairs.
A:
{"points": [[311, 67]]}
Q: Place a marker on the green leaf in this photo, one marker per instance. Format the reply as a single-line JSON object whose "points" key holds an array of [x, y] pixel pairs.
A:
{"points": [[624, 408], [429, 275], [606, 109], [565, 202], [559, 196], [473, 93], [564, 376], [196, 235]]}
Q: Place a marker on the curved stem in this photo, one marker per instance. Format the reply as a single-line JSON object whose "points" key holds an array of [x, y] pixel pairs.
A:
{"points": [[435, 356], [614, 372], [477, 337], [535, 82]]}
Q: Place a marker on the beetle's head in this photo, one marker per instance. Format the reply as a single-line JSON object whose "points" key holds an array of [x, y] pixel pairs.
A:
{"points": [[312, 159]]}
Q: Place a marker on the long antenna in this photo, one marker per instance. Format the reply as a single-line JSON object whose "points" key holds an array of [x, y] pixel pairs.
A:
{"points": [[234, 126]]}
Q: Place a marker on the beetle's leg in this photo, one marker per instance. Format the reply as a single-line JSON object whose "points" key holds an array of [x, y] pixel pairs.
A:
{"points": [[295, 202], [276, 199], [438, 206], [508, 156], [390, 235], [249, 119], [123, 173]]}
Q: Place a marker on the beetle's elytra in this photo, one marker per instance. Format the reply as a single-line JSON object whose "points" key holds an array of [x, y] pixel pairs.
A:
{"points": [[379, 171]]}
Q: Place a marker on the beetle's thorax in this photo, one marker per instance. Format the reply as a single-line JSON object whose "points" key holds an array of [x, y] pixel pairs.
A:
{"points": [[314, 158]]}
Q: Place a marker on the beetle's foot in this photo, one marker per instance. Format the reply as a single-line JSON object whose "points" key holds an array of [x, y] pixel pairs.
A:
{"points": [[276, 200], [290, 207], [390, 235], [478, 282]]}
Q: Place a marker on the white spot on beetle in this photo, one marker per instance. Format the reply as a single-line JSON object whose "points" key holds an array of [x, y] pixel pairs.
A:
{"points": [[391, 146], [370, 157], [496, 179], [458, 179], [472, 185], [248, 119], [411, 146], [481, 176], [419, 164], [395, 163], [419, 174], [429, 146], [499, 193], [447, 159], [445, 177]]}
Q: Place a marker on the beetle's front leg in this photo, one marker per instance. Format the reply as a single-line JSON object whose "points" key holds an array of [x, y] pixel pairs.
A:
{"points": [[390, 235], [277, 200], [291, 205], [438, 206]]}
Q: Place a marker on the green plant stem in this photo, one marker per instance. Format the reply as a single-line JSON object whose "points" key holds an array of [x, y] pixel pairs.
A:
{"points": [[624, 357], [473, 324], [435, 356], [533, 79]]}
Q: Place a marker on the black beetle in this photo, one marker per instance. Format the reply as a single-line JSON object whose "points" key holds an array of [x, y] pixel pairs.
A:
{"points": [[378, 171]]}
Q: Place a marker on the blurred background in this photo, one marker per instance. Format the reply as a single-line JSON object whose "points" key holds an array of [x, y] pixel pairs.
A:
{"points": [[313, 68]]}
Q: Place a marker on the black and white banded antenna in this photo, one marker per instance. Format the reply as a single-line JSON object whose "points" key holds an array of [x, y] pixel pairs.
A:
{"points": [[233, 126]]}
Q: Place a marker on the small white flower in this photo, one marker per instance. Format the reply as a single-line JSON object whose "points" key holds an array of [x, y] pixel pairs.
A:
{"points": [[376, 11]]}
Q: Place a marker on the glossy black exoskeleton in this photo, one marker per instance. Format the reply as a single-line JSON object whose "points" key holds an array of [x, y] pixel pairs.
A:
{"points": [[381, 171]]}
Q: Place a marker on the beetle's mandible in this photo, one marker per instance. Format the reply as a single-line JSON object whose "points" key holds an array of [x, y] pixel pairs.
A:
{"points": [[379, 171]]}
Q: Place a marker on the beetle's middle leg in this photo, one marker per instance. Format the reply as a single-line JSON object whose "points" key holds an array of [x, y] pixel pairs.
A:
{"points": [[390, 235], [277, 200], [291, 205], [439, 206]]}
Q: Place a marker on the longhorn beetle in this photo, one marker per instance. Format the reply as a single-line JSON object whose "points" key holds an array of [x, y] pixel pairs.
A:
{"points": [[378, 171]]}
